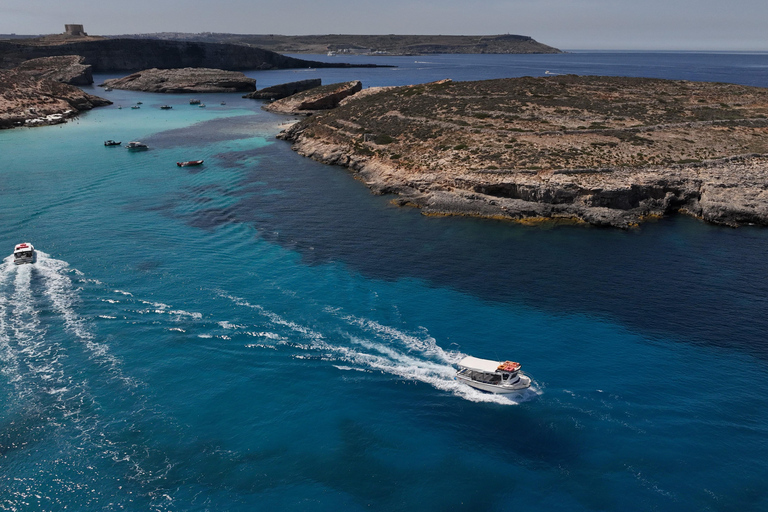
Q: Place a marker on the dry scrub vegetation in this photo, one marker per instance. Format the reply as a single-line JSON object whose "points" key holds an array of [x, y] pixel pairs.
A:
{"points": [[556, 123]]}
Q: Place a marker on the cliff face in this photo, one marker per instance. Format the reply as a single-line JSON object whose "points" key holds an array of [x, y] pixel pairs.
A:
{"points": [[602, 150], [184, 81], [135, 54], [318, 98], [280, 91]]}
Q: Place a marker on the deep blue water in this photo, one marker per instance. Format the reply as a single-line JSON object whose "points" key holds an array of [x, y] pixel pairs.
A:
{"points": [[262, 333]]}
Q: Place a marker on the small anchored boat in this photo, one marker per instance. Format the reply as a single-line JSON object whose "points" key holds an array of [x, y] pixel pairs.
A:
{"points": [[194, 102], [135, 145], [166, 107], [24, 253], [189, 163], [134, 107], [111, 142], [499, 377]]}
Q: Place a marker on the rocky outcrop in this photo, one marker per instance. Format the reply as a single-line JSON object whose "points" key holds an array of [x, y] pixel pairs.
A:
{"points": [[277, 92], [187, 80], [597, 150], [29, 101], [134, 54], [68, 69], [320, 98]]}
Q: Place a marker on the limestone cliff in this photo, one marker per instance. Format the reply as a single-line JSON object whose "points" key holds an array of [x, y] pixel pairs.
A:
{"points": [[135, 54], [277, 92], [319, 98]]}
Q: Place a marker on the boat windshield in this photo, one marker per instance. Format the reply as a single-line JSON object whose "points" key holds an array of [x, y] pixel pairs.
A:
{"points": [[478, 376]]}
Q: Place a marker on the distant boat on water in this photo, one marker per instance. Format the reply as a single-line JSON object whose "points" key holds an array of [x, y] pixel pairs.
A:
{"points": [[111, 142], [136, 145], [189, 163]]}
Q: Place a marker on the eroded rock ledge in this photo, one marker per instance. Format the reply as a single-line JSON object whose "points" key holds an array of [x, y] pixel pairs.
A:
{"points": [[600, 150], [184, 80], [26, 100], [68, 69], [319, 98]]}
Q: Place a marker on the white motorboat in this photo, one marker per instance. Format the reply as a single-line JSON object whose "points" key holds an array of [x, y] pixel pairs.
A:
{"points": [[492, 376], [24, 253], [136, 145]]}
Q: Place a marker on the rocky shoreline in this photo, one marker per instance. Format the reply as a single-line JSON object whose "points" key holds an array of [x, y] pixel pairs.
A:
{"points": [[501, 149], [33, 95]]}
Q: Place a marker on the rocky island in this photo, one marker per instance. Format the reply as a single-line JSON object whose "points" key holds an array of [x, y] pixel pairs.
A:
{"points": [[186, 80], [607, 151]]}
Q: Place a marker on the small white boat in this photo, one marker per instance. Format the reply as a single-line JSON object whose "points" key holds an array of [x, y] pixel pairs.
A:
{"points": [[135, 145], [24, 253], [492, 376]]}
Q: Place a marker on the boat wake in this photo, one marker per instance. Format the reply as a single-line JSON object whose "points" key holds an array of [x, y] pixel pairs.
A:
{"points": [[372, 346], [66, 398]]}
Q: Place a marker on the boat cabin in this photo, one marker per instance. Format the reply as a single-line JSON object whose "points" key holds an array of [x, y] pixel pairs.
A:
{"points": [[492, 376], [24, 253]]}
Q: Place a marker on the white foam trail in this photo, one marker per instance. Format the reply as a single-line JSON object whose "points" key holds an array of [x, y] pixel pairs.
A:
{"points": [[41, 359], [39, 371], [39, 368], [391, 351], [59, 289], [10, 363]]}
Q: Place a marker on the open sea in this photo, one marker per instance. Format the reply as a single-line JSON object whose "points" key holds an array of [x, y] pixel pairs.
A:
{"points": [[262, 333]]}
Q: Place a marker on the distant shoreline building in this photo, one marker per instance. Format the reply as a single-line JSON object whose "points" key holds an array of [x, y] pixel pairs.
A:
{"points": [[74, 30]]}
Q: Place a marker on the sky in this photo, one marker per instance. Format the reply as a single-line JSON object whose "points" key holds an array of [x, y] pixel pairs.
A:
{"points": [[712, 25]]}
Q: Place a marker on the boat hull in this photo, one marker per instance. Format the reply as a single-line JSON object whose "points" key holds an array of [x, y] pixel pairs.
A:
{"points": [[22, 261], [523, 383], [190, 163]]}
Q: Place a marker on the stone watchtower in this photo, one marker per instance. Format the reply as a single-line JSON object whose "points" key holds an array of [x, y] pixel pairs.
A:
{"points": [[74, 30]]}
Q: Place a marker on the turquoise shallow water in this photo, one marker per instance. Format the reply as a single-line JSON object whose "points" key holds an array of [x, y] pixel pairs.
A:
{"points": [[262, 333]]}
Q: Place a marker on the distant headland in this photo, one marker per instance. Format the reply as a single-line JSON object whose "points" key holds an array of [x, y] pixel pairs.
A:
{"points": [[331, 44], [350, 44]]}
